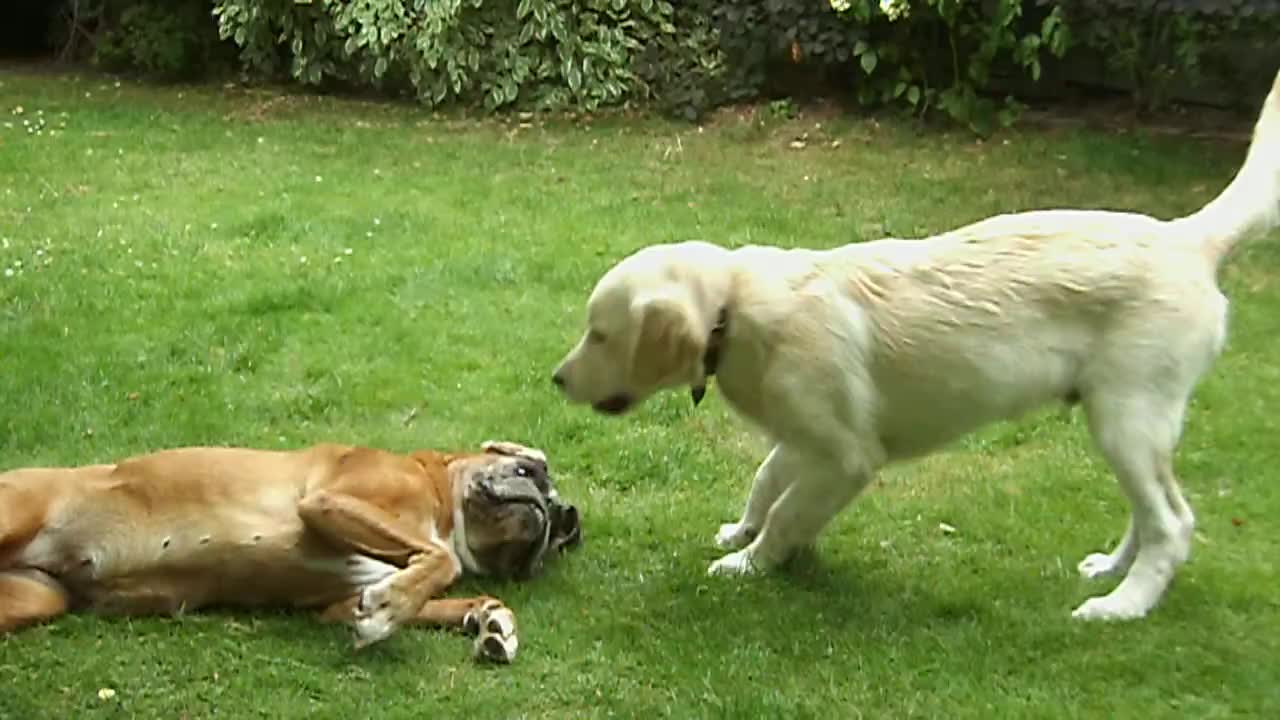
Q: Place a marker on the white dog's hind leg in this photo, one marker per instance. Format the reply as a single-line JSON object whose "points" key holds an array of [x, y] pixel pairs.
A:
{"points": [[795, 520], [1181, 508], [772, 478], [1138, 435]]}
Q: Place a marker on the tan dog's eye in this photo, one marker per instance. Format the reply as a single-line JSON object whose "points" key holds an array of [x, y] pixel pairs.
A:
{"points": [[595, 337]]}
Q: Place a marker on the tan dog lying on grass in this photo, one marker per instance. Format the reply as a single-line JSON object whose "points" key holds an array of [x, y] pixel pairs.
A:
{"points": [[369, 537], [876, 352]]}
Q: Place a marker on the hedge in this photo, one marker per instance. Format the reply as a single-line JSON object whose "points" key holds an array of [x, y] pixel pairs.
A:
{"points": [[959, 58]]}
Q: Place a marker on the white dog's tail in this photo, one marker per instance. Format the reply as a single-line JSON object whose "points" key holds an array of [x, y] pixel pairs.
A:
{"points": [[1251, 203]]}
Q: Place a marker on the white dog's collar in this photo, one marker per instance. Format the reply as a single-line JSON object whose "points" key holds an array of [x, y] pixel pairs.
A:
{"points": [[711, 358]]}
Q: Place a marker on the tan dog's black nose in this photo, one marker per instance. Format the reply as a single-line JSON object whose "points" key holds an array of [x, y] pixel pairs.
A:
{"points": [[557, 379]]}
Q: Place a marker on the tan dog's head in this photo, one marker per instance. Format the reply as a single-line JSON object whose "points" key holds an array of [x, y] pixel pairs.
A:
{"points": [[512, 516], [648, 323]]}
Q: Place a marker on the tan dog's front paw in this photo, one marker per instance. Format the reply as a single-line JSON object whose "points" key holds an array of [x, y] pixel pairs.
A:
{"points": [[494, 626], [381, 610]]}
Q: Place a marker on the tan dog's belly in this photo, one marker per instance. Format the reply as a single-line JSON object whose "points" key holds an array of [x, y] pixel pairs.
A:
{"points": [[186, 528]]}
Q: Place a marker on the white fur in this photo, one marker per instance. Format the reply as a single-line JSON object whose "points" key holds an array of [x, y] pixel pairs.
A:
{"points": [[450, 545], [362, 570], [374, 616], [458, 547], [495, 627], [876, 352]]}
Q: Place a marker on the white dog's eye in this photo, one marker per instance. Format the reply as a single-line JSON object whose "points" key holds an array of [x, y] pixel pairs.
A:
{"points": [[595, 336]]}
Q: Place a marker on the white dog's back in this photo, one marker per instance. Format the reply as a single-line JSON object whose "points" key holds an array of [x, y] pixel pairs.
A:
{"points": [[1002, 316]]}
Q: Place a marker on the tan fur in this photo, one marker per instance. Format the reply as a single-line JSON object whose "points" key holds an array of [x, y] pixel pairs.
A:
{"points": [[875, 352], [366, 536]]}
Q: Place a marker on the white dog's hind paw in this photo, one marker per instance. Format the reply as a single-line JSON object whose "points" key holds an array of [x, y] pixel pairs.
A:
{"points": [[733, 536], [1109, 608], [495, 627], [1100, 565], [735, 563]]}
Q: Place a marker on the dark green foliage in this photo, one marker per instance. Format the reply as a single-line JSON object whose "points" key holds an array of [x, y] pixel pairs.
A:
{"points": [[592, 53], [922, 55], [683, 57], [1149, 45], [538, 54], [163, 39], [758, 36]]}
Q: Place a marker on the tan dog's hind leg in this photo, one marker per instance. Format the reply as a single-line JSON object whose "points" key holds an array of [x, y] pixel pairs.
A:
{"points": [[22, 514], [29, 596], [427, 567]]}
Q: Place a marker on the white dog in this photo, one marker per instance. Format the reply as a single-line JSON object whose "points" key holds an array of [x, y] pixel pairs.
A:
{"points": [[875, 352]]}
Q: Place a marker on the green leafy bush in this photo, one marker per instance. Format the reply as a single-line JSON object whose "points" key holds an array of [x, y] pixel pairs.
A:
{"points": [[759, 37], [1151, 45], [168, 40], [943, 57], [539, 54], [922, 54], [941, 53]]}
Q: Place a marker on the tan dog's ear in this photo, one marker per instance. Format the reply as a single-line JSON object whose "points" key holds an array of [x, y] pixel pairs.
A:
{"points": [[505, 447], [671, 342]]}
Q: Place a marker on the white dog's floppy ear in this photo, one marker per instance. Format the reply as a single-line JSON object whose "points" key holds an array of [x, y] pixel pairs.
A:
{"points": [[504, 447], [671, 341]]}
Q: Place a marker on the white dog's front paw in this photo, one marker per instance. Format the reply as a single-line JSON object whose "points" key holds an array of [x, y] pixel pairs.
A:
{"points": [[733, 536], [735, 563], [1100, 565], [1109, 607], [495, 627]]}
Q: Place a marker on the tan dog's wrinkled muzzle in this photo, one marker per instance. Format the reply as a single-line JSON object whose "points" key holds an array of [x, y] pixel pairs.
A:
{"points": [[513, 515]]}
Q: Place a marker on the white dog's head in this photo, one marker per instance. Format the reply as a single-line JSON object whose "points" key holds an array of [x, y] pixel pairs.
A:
{"points": [[649, 320]]}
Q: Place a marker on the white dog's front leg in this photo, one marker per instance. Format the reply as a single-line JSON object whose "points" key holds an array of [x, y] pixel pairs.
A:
{"points": [[739, 562], [795, 520], [772, 478]]}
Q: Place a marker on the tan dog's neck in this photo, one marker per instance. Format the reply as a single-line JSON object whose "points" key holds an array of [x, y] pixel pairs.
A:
{"points": [[443, 485], [448, 484]]}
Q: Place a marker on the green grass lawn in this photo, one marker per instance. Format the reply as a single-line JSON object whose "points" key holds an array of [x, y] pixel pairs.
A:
{"points": [[205, 265]]}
